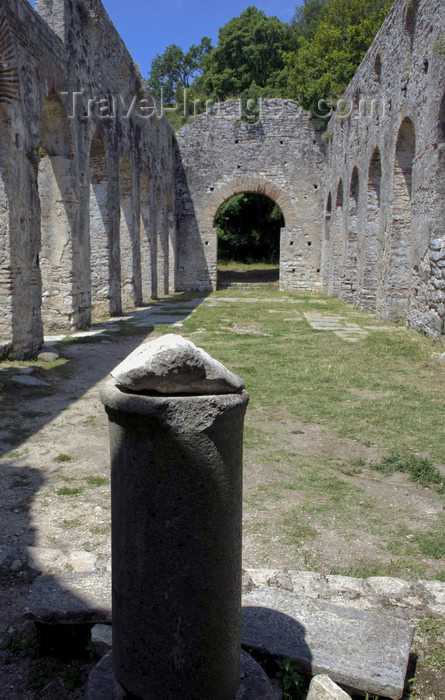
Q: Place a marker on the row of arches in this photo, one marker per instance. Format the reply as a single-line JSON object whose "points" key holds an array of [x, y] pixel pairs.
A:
{"points": [[108, 235], [367, 242]]}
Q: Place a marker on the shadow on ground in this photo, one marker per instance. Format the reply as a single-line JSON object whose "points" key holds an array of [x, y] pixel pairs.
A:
{"points": [[254, 275]]}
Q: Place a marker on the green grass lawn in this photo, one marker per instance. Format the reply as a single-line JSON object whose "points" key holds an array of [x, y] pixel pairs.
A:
{"points": [[385, 392]]}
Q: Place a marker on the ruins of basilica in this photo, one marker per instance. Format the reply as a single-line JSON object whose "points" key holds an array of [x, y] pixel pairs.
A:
{"points": [[103, 207]]}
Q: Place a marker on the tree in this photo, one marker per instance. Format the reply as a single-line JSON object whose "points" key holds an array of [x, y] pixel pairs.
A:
{"points": [[174, 69], [250, 50], [340, 33], [249, 229], [307, 18]]}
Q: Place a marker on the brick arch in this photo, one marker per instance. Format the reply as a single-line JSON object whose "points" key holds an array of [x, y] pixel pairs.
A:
{"points": [[9, 76], [247, 183]]}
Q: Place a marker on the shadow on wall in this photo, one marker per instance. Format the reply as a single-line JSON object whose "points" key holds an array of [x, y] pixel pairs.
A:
{"points": [[192, 265]]}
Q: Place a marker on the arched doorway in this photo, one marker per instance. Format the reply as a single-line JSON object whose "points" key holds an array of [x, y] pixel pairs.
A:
{"points": [[336, 248], [129, 246], [300, 250], [399, 253], [58, 206], [371, 243], [100, 247], [349, 274], [148, 241], [249, 226]]}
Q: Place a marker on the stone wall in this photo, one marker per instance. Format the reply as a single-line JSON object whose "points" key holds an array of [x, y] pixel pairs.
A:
{"points": [[383, 239], [81, 148], [279, 155]]}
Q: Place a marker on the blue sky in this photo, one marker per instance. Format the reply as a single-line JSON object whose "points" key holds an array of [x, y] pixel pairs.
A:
{"points": [[148, 26]]}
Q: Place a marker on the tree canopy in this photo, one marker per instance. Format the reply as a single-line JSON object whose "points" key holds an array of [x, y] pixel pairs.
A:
{"points": [[333, 37], [250, 50], [175, 68], [311, 59]]}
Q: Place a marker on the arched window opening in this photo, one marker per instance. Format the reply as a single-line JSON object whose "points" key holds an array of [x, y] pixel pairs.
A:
{"points": [[100, 249], [410, 19], [339, 199], [354, 190], [378, 67], [329, 204], [58, 206], [249, 225], [441, 120]]}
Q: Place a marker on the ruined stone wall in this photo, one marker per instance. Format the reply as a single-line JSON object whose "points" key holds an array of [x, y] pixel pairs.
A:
{"points": [[102, 207], [280, 155], [80, 149], [384, 196]]}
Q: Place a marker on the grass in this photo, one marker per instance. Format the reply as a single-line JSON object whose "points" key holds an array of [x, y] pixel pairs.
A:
{"points": [[96, 480], [313, 372], [432, 627], [420, 469], [386, 391], [67, 491], [63, 458], [70, 524]]}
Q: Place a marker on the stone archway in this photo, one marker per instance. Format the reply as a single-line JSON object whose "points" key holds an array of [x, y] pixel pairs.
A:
{"points": [[58, 206], [299, 258]]}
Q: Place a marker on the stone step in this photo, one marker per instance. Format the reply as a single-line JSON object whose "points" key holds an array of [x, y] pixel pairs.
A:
{"points": [[362, 650], [79, 598]]}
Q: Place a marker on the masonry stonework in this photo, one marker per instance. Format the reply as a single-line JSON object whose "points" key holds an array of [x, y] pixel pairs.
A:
{"points": [[281, 156], [102, 207], [387, 152], [74, 153]]}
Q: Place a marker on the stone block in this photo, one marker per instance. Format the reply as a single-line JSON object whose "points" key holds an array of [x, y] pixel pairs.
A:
{"points": [[102, 638], [79, 598], [365, 651], [323, 688]]}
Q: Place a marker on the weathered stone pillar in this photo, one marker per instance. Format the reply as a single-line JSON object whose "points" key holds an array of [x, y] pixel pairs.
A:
{"points": [[176, 522]]}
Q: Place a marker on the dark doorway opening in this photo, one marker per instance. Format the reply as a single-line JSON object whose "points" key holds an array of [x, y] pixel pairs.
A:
{"points": [[249, 227]]}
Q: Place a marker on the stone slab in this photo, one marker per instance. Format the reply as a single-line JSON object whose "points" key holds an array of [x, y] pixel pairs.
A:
{"points": [[80, 598], [162, 319], [26, 380], [361, 650]]}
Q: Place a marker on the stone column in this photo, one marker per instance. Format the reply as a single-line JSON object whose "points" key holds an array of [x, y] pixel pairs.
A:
{"points": [[176, 456]]}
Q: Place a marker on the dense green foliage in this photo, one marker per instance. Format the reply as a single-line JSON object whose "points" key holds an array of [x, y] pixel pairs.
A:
{"points": [[311, 60], [250, 52], [249, 229], [334, 36], [174, 69]]}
